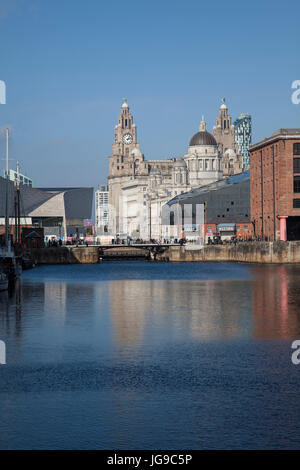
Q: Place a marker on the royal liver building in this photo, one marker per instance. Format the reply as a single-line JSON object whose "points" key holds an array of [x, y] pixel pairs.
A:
{"points": [[138, 188]]}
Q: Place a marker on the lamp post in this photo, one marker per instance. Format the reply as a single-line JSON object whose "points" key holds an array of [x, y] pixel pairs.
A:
{"points": [[149, 199], [59, 225]]}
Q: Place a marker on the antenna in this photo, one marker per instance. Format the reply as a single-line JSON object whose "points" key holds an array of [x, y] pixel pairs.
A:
{"points": [[6, 173], [7, 168], [18, 175]]}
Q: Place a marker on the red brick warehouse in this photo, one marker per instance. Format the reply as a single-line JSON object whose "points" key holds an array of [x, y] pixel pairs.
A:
{"points": [[275, 186]]}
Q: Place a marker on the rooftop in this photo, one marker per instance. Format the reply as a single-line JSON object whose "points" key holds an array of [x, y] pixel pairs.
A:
{"points": [[236, 179], [284, 133]]}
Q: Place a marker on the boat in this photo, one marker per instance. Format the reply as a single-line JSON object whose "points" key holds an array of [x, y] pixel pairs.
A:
{"points": [[3, 282]]}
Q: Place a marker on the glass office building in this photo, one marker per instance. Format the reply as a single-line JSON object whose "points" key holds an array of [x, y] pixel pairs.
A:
{"points": [[243, 135]]}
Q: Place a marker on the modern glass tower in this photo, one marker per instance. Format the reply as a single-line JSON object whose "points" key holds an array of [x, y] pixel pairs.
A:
{"points": [[243, 135], [101, 201]]}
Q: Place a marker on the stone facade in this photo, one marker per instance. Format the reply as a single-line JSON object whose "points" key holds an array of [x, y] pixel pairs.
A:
{"points": [[203, 158], [138, 188], [254, 252], [224, 133]]}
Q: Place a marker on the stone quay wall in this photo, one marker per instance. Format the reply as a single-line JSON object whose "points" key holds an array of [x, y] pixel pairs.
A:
{"points": [[252, 252], [65, 255]]}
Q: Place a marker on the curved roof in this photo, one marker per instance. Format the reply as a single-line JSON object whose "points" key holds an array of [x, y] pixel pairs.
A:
{"points": [[202, 138]]}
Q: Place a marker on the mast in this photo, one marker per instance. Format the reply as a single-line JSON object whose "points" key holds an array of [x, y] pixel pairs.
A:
{"points": [[18, 204], [7, 187]]}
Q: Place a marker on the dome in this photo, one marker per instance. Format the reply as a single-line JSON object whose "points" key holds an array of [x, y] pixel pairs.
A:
{"points": [[179, 163], [202, 138], [125, 105]]}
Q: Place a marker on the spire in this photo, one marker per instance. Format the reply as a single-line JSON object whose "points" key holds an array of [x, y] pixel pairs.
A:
{"points": [[202, 126]]}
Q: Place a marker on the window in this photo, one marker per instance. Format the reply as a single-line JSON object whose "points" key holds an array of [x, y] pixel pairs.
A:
{"points": [[238, 228], [296, 204], [296, 184], [296, 165], [245, 228], [297, 149]]}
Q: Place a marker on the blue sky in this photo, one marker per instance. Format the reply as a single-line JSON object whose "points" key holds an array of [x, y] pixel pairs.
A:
{"points": [[68, 63]]}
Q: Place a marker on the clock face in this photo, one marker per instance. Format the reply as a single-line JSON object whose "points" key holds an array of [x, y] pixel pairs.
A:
{"points": [[127, 139]]}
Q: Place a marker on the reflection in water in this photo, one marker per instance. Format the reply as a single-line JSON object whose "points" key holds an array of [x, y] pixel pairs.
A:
{"points": [[276, 301], [151, 356], [264, 306], [11, 310], [55, 298], [211, 309]]}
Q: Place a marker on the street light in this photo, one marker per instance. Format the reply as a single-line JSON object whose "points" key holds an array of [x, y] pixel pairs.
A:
{"points": [[149, 198]]}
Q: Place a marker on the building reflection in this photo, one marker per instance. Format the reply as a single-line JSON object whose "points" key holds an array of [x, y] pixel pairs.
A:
{"points": [[129, 304], [276, 301], [55, 298], [207, 310], [11, 310]]}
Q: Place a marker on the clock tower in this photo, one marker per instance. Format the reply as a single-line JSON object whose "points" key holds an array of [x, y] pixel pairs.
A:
{"points": [[125, 162], [125, 141]]}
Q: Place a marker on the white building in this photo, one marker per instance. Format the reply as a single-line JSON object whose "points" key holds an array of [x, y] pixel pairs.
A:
{"points": [[143, 197], [204, 161], [138, 188], [101, 209]]}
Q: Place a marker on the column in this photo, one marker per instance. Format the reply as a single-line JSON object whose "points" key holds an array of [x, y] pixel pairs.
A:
{"points": [[283, 234]]}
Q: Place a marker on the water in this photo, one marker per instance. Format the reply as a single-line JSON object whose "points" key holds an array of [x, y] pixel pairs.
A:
{"points": [[133, 355]]}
